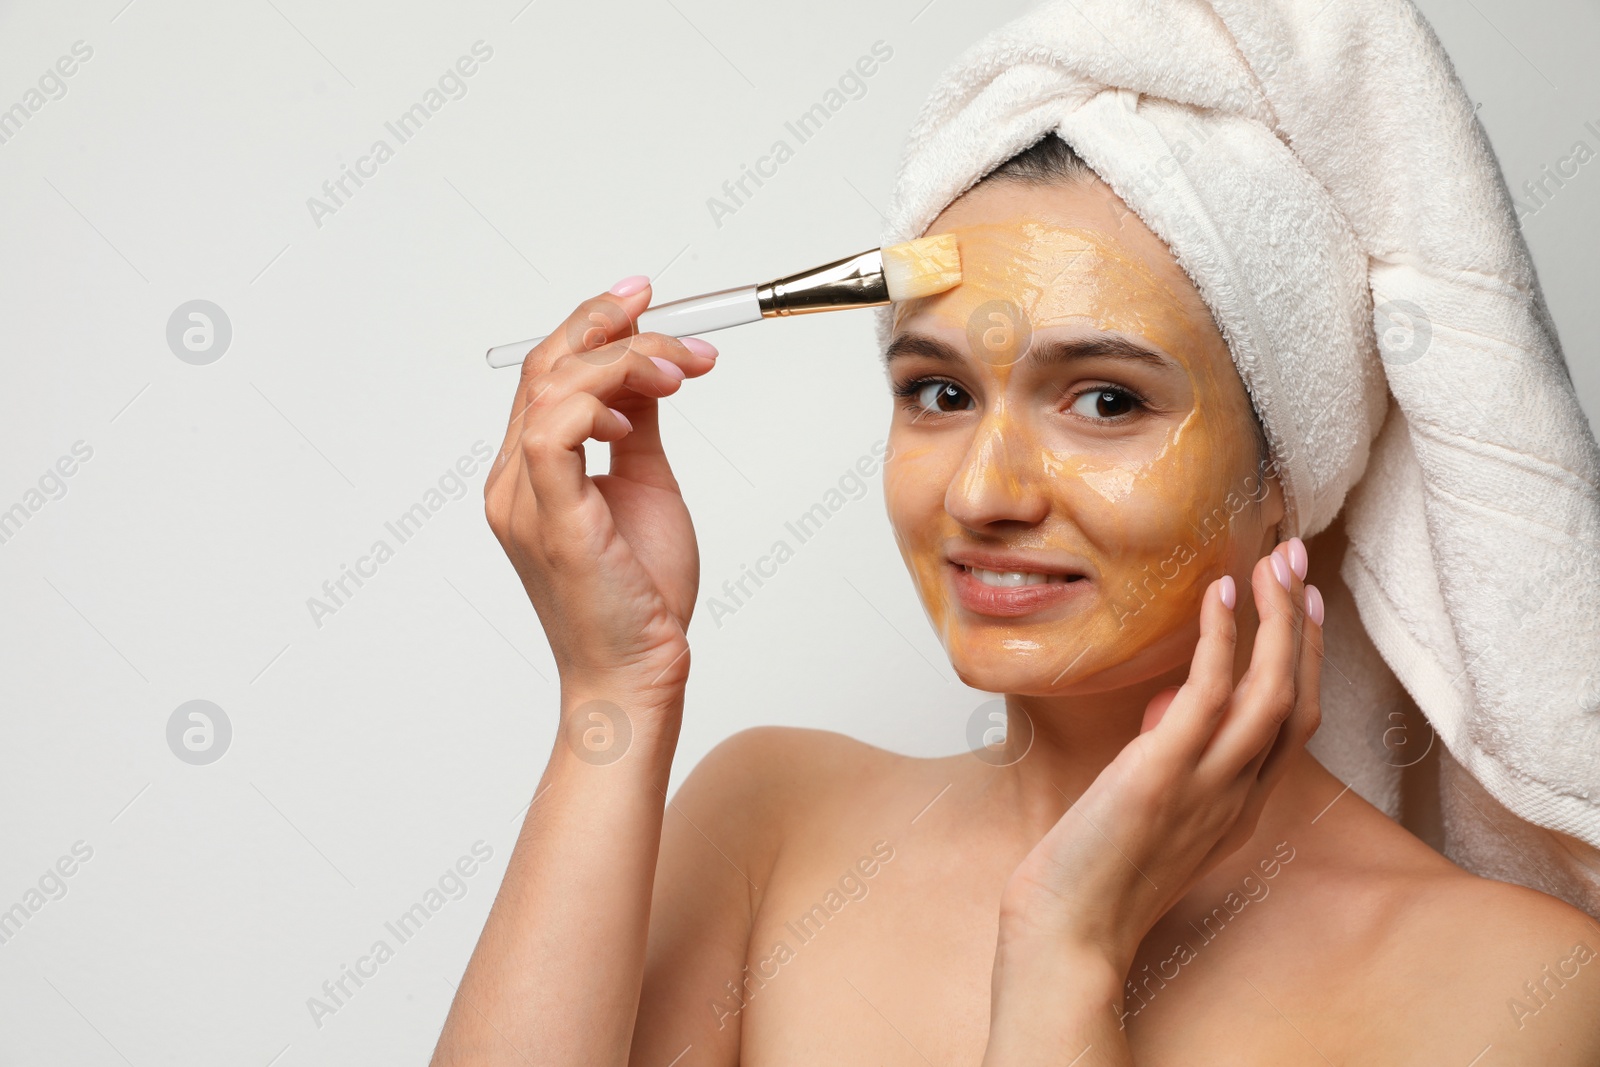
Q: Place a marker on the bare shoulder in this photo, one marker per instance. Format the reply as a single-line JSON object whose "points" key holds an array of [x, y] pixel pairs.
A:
{"points": [[1535, 949], [721, 835], [788, 743], [774, 770], [1394, 954], [771, 789], [1511, 971], [725, 826]]}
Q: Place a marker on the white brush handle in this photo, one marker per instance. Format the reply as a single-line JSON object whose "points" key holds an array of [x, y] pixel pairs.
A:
{"points": [[681, 318]]}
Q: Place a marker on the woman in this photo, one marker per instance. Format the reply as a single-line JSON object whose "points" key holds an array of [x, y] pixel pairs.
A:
{"points": [[1149, 868], [992, 923]]}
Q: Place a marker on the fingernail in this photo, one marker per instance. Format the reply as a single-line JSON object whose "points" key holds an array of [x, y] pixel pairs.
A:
{"points": [[1280, 570], [630, 285], [668, 367], [699, 347], [1297, 556], [1314, 604], [1227, 592], [626, 425]]}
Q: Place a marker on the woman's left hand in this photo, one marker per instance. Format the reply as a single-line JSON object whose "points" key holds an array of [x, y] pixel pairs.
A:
{"points": [[1179, 797]]}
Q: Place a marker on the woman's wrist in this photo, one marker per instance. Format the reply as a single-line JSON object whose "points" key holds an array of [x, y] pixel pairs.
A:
{"points": [[636, 694], [604, 719], [1040, 929], [1053, 1001], [1025, 969]]}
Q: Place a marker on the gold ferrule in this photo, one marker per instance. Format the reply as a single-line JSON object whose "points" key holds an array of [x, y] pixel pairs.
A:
{"points": [[852, 282]]}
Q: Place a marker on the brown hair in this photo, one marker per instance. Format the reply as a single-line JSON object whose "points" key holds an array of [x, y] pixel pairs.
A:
{"points": [[1048, 161]]}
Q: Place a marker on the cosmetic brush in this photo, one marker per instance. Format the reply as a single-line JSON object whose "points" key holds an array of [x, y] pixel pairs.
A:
{"points": [[906, 271]]}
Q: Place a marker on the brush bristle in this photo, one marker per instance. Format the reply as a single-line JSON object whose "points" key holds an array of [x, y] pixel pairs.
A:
{"points": [[922, 267]]}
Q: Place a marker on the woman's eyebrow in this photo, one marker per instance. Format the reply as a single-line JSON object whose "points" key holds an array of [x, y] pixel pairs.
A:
{"points": [[1044, 353]]}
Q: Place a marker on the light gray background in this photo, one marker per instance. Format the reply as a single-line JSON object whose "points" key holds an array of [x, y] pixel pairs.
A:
{"points": [[369, 754]]}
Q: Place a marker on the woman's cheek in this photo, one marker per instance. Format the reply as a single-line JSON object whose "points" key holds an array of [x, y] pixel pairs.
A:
{"points": [[907, 487], [914, 498], [1153, 564]]}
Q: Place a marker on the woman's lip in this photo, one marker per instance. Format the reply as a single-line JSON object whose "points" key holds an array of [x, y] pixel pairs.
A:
{"points": [[1013, 600]]}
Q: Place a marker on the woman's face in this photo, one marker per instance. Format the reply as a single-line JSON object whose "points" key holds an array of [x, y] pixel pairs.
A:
{"points": [[1073, 457]]}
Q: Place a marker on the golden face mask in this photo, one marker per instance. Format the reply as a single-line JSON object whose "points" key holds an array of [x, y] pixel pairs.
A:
{"points": [[1053, 438]]}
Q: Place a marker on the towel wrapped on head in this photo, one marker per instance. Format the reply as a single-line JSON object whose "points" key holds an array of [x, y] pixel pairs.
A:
{"points": [[1318, 171]]}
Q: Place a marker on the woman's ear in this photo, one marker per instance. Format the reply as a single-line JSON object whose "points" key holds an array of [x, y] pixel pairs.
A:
{"points": [[1273, 508], [1274, 501]]}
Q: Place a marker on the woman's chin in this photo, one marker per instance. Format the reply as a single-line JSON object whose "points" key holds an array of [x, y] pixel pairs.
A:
{"points": [[1062, 667]]}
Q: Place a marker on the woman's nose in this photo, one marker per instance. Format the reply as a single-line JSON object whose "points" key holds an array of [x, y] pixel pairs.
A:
{"points": [[1001, 478]]}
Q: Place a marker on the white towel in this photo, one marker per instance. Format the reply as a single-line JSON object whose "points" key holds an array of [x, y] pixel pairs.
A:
{"points": [[1320, 173]]}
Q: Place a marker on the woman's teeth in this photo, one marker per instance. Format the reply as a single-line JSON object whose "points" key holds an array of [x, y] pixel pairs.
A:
{"points": [[1010, 579]]}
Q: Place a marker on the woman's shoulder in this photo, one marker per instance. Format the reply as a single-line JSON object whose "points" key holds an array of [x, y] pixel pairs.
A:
{"points": [[1500, 928], [1415, 891], [1518, 964], [766, 789], [1452, 956], [777, 784], [802, 741], [777, 767]]}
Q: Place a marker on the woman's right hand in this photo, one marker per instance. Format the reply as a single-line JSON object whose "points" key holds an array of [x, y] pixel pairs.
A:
{"points": [[610, 562]]}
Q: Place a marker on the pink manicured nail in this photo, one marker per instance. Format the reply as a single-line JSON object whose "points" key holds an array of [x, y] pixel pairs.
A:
{"points": [[1280, 570], [1314, 604], [668, 367], [1227, 591], [630, 285], [622, 419], [699, 347], [1297, 556]]}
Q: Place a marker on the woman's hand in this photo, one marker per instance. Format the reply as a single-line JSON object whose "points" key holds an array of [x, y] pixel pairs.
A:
{"points": [[1183, 794], [610, 562]]}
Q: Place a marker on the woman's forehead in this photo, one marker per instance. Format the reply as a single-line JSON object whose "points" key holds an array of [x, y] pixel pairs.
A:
{"points": [[1062, 255]]}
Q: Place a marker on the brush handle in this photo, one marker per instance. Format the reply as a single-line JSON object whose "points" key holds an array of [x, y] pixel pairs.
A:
{"points": [[680, 318]]}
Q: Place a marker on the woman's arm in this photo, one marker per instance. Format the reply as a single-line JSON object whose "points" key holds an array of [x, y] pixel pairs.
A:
{"points": [[1178, 799], [686, 938], [610, 565], [719, 844], [1053, 1005], [555, 976]]}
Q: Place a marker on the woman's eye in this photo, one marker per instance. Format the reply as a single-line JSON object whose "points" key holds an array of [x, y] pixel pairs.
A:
{"points": [[937, 396], [1104, 402]]}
